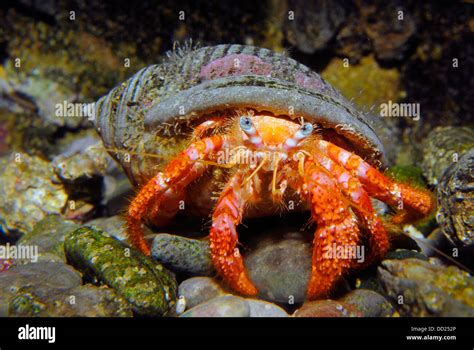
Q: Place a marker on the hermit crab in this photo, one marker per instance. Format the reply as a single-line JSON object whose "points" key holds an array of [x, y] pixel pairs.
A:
{"points": [[259, 129]]}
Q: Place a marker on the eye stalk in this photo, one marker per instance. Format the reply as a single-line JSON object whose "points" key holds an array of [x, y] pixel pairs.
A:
{"points": [[249, 129], [306, 129], [246, 124], [302, 133]]}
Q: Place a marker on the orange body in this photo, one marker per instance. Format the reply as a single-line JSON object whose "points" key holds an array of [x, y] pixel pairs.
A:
{"points": [[336, 183]]}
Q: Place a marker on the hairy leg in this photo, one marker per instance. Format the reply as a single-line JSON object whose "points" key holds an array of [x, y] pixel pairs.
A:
{"points": [[352, 189], [419, 202], [223, 236], [337, 230], [183, 169]]}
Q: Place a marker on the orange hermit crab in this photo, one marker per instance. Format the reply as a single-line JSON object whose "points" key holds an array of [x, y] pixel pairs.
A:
{"points": [[280, 132]]}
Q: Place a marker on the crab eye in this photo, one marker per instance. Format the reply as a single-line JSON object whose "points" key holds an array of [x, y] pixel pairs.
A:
{"points": [[307, 129], [246, 123]]}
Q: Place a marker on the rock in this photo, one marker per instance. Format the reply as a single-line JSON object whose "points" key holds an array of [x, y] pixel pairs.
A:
{"points": [[401, 254], [351, 41], [198, 290], [80, 165], [183, 254], [260, 308], [389, 33], [419, 288], [43, 277], [144, 283], [280, 266], [370, 303], [82, 301], [443, 147], [222, 306], [30, 191], [48, 236], [315, 23], [327, 308], [456, 201]]}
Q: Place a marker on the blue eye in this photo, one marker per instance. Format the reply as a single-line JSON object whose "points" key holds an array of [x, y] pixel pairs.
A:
{"points": [[307, 129], [245, 123]]}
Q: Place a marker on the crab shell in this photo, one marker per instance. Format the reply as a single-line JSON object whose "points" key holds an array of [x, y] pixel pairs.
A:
{"points": [[146, 120]]}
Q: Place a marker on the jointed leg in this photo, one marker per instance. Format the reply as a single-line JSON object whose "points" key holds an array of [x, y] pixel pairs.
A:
{"points": [[379, 186], [223, 236], [180, 172], [337, 230], [352, 189]]}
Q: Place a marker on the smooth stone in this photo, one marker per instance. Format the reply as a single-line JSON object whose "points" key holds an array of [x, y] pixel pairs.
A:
{"points": [[327, 308], [370, 303], [260, 308], [280, 266], [82, 301], [183, 254], [222, 306], [43, 277], [198, 290]]}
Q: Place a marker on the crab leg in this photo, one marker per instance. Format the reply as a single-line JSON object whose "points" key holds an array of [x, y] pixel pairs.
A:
{"points": [[376, 184], [223, 236], [204, 127], [360, 202], [182, 170], [337, 230]]}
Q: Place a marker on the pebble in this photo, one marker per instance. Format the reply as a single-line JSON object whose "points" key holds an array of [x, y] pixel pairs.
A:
{"points": [[222, 306], [198, 290], [327, 308], [45, 277]]}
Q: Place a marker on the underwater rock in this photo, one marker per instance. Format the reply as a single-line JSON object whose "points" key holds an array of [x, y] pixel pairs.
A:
{"points": [[327, 308], [315, 23], [82, 165], [370, 303], [48, 236], [44, 277], [30, 191], [280, 267], [351, 40], [390, 27], [442, 147], [144, 283], [400, 254], [419, 288], [183, 254], [82, 301], [456, 201], [260, 308], [198, 290], [223, 306]]}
